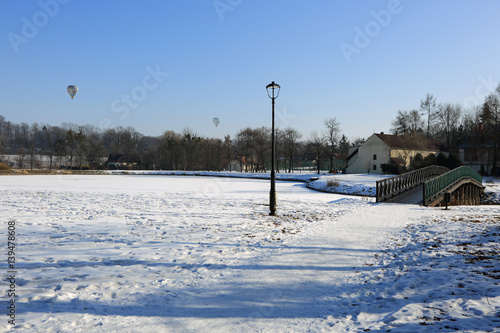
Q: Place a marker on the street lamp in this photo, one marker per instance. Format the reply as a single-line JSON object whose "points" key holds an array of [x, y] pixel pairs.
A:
{"points": [[273, 90]]}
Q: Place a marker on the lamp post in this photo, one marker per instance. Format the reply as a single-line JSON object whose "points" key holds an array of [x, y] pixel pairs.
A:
{"points": [[273, 90]]}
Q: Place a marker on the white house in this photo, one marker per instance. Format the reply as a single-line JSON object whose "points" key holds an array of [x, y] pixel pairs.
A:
{"points": [[382, 148]]}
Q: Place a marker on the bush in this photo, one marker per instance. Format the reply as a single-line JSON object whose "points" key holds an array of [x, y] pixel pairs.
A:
{"points": [[453, 162], [417, 162], [391, 168], [441, 159], [430, 160], [4, 167], [332, 182]]}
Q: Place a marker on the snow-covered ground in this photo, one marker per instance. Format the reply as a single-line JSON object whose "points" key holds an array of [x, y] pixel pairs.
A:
{"points": [[152, 253], [353, 184], [492, 190]]}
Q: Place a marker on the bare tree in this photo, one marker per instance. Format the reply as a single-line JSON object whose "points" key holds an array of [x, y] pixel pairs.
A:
{"points": [[253, 148], [27, 138], [490, 118], [401, 125], [291, 145], [148, 152], [74, 139], [357, 142], [129, 140], [408, 122], [112, 141], [416, 122], [429, 106], [279, 146], [447, 121], [54, 138], [244, 148], [3, 137], [7, 138], [214, 151], [189, 144], [123, 141], [316, 145], [92, 145], [228, 151], [169, 150], [331, 136], [262, 146]]}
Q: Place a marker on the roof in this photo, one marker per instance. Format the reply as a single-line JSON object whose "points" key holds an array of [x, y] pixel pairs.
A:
{"points": [[120, 158], [411, 142], [468, 145], [114, 158], [352, 154]]}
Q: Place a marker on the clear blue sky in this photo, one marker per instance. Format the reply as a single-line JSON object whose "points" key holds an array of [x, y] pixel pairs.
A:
{"points": [[358, 61]]}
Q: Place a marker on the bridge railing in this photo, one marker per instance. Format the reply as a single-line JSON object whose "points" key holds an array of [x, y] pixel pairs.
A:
{"points": [[391, 186], [434, 187]]}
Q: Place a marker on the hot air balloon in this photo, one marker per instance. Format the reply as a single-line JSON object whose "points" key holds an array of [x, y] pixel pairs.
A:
{"points": [[216, 121], [72, 90]]}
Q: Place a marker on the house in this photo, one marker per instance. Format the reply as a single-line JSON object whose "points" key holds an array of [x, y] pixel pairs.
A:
{"points": [[118, 161], [477, 156], [381, 148]]}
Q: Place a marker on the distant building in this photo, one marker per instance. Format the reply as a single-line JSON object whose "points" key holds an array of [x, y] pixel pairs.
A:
{"points": [[118, 161], [477, 156], [381, 148]]}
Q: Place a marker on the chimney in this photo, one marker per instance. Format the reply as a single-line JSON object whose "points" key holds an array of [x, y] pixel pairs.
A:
{"points": [[382, 133]]}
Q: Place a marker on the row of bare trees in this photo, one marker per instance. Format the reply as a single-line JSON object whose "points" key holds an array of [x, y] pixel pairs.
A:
{"points": [[68, 145], [188, 151], [71, 146], [253, 151]]}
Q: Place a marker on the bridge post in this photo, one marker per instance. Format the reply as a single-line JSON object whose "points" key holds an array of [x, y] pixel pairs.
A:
{"points": [[464, 193], [423, 197], [467, 194], [470, 195]]}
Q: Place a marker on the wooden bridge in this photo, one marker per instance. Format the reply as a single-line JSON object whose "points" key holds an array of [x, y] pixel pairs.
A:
{"points": [[433, 186]]}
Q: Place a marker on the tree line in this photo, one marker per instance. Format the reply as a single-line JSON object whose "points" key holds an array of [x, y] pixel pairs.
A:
{"points": [[88, 147]]}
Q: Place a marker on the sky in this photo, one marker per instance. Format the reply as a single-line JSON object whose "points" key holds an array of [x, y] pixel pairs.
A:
{"points": [[170, 65]]}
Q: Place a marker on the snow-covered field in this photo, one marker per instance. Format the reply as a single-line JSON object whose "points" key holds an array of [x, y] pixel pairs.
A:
{"points": [[153, 253]]}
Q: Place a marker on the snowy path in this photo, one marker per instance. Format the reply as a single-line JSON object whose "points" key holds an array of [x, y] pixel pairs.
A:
{"points": [[186, 254]]}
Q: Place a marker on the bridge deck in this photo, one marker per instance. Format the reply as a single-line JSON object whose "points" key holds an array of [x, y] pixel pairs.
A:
{"points": [[413, 196]]}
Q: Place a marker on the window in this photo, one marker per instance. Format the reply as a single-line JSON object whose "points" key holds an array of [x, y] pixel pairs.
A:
{"points": [[374, 167], [374, 157]]}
